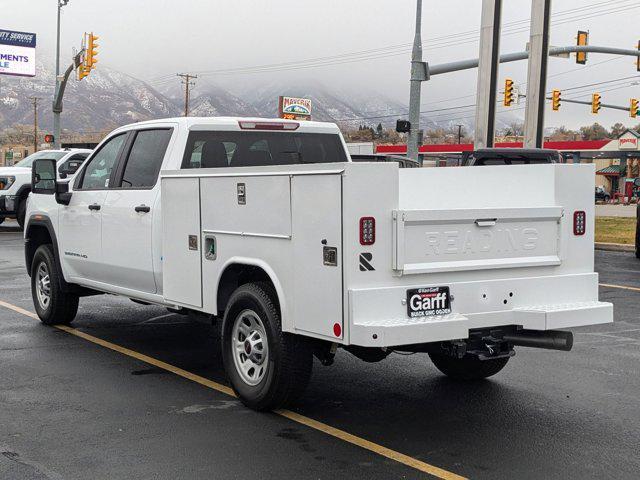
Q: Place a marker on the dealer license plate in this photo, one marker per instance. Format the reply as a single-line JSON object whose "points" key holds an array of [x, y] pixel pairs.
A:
{"points": [[428, 302]]}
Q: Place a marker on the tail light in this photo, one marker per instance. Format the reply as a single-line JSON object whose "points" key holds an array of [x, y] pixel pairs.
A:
{"points": [[367, 231], [579, 222]]}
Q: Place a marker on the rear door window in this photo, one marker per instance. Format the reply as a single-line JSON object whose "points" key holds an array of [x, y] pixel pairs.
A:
{"points": [[249, 149], [145, 159]]}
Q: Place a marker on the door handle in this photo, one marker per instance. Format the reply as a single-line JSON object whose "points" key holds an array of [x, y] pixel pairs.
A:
{"points": [[142, 208], [486, 222], [94, 206]]}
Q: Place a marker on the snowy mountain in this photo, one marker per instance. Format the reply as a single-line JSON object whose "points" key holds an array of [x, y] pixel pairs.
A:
{"points": [[104, 100], [109, 98]]}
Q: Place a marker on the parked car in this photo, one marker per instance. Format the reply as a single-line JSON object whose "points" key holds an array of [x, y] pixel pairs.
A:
{"points": [[403, 162], [509, 156], [15, 181], [602, 195], [266, 225]]}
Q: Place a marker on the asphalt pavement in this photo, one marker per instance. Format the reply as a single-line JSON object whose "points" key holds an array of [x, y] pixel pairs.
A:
{"points": [[72, 409]]}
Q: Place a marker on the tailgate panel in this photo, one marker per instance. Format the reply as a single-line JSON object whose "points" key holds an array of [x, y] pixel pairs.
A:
{"points": [[429, 241]]}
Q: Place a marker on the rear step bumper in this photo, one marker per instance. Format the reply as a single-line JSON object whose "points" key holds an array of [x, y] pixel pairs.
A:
{"points": [[572, 303]]}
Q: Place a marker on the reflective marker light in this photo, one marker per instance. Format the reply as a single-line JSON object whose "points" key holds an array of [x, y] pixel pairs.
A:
{"points": [[367, 231], [579, 222], [249, 125]]}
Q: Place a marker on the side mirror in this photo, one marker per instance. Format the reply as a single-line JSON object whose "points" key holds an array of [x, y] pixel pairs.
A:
{"points": [[43, 176]]}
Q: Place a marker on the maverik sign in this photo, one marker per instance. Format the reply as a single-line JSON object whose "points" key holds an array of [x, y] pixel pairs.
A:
{"points": [[294, 108], [17, 53]]}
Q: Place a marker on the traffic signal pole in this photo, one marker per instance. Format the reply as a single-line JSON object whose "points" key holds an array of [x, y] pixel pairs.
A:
{"points": [[537, 73], [487, 73], [418, 75], [57, 100], [56, 115]]}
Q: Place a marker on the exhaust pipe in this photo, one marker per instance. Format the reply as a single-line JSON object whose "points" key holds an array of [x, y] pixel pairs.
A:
{"points": [[549, 339]]}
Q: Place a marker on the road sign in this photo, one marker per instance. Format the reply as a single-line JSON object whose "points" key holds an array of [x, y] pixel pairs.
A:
{"points": [[17, 53], [294, 108]]}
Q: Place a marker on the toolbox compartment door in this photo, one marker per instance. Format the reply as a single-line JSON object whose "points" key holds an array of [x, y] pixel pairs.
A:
{"points": [[181, 261], [448, 240]]}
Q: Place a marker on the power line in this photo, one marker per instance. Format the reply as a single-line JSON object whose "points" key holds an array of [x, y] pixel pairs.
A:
{"points": [[402, 49]]}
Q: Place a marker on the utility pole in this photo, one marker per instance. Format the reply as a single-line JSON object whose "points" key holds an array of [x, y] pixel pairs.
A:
{"points": [[488, 62], [56, 114], [419, 74], [537, 73], [34, 100], [186, 81], [459, 133]]}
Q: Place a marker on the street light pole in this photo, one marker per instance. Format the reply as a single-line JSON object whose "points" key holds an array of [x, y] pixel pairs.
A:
{"points": [[56, 114]]}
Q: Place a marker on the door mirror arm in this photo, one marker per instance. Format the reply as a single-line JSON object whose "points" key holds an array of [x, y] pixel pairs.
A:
{"points": [[63, 195]]}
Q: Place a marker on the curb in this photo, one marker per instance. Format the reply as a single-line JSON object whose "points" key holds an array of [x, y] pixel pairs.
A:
{"points": [[615, 247]]}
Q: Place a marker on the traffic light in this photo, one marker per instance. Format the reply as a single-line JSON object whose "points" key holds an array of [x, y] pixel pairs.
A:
{"points": [[595, 103], [555, 100], [82, 72], [92, 52], [48, 138], [508, 92], [633, 108], [582, 40]]}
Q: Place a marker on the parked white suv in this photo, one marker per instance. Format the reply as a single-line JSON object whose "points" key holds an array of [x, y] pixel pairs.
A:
{"points": [[15, 181]]}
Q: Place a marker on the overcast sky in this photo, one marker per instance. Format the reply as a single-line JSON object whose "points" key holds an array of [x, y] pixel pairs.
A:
{"points": [[155, 39]]}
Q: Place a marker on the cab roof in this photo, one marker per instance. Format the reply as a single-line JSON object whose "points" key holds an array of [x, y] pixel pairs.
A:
{"points": [[233, 123]]}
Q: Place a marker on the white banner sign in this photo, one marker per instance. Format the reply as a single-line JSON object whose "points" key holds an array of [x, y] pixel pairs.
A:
{"points": [[17, 53]]}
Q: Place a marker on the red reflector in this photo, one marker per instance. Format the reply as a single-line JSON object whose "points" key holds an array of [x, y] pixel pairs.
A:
{"points": [[337, 329], [579, 222], [367, 231], [249, 125]]}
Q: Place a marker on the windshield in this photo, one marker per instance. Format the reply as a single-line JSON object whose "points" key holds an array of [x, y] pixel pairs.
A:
{"points": [[26, 162]]}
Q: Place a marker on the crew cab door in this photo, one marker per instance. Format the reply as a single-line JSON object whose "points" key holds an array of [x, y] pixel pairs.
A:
{"points": [[80, 222], [129, 210]]}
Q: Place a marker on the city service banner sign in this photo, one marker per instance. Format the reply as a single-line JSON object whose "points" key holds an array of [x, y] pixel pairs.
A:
{"points": [[294, 108], [17, 53]]}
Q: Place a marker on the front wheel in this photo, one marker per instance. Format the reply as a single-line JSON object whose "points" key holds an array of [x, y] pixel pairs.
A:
{"points": [[638, 231], [468, 367], [268, 368], [21, 212], [53, 305]]}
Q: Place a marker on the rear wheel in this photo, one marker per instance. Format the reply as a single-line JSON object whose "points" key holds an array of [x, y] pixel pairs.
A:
{"points": [[1, 220], [607, 198], [268, 368], [53, 306], [468, 367]]}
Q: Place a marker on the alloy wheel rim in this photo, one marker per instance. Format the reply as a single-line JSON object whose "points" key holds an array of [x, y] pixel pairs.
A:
{"points": [[43, 286], [250, 347]]}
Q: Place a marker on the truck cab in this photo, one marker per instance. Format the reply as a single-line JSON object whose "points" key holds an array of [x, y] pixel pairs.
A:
{"points": [[267, 226]]}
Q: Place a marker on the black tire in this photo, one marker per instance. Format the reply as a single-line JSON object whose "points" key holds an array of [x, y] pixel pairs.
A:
{"points": [[468, 367], [21, 212], [638, 231], [1, 220], [61, 307], [290, 357]]}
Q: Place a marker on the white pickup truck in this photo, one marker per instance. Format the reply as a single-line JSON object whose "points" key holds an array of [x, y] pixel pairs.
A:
{"points": [[268, 226]]}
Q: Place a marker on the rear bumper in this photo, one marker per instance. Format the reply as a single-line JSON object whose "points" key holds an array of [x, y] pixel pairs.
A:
{"points": [[377, 317]]}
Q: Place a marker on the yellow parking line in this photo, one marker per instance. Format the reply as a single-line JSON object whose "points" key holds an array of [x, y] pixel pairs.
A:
{"points": [[296, 417], [623, 287]]}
